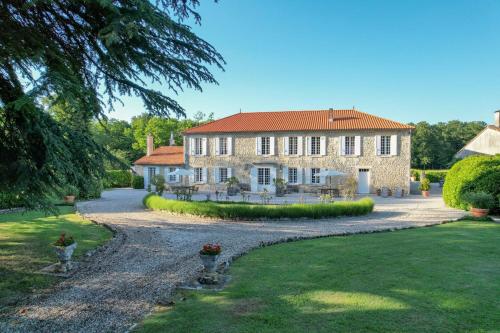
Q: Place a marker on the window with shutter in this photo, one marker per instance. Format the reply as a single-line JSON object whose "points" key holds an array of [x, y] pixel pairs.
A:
{"points": [[223, 175], [315, 177], [293, 145], [315, 142], [265, 145], [349, 144], [385, 145], [222, 146], [198, 175], [292, 175], [264, 176], [172, 178], [198, 146]]}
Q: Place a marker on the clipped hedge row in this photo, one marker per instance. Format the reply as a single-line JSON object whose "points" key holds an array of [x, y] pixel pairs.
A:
{"points": [[117, 178], [434, 176], [257, 211], [472, 174]]}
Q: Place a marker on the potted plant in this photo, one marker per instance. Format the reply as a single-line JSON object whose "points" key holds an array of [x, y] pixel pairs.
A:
{"points": [[480, 203], [71, 193], [64, 248], [208, 255], [159, 183], [232, 186], [425, 187], [280, 186]]}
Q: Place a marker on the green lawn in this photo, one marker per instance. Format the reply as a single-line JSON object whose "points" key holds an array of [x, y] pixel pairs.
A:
{"points": [[25, 248], [440, 279]]}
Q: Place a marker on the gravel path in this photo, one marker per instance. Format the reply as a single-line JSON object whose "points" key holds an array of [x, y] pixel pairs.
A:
{"points": [[154, 252]]}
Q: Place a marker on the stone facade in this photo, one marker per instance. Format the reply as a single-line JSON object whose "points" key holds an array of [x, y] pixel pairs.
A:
{"points": [[384, 171], [143, 170]]}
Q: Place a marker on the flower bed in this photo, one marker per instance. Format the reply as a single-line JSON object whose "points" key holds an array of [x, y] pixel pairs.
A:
{"points": [[257, 211]]}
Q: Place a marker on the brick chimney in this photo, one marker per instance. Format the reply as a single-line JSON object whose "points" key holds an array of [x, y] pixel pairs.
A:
{"points": [[497, 118], [149, 144]]}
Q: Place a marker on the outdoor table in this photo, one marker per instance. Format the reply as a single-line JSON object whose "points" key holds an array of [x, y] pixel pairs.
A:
{"points": [[184, 192], [334, 192]]}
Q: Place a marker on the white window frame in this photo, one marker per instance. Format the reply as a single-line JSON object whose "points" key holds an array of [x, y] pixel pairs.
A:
{"points": [[198, 146], [293, 175], [293, 145], [223, 175], [264, 176], [385, 145], [223, 146], [315, 179], [265, 145], [315, 142], [198, 175], [350, 145], [172, 178]]}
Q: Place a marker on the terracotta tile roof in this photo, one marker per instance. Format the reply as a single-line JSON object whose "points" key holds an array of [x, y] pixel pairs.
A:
{"points": [[317, 120], [164, 155]]}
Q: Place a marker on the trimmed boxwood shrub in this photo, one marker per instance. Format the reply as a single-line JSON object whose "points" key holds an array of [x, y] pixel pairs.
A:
{"points": [[434, 176], [138, 182], [472, 174], [117, 178], [248, 211]]}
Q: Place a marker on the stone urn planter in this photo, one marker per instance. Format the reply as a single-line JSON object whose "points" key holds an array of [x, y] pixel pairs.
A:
{"points": [[64, 248], [64, 254], [209, 262], [69, 199], [479, 212], [208, 255]]}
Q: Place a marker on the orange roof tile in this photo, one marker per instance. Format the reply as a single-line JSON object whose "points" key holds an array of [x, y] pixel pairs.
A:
{"points": [[164, 155], [318, 120]]}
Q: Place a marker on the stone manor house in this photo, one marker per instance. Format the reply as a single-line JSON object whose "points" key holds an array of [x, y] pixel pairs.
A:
{"points": [[258, 147]]}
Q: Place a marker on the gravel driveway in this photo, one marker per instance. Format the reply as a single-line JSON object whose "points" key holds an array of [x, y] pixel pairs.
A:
{"points": [[154, 252]]}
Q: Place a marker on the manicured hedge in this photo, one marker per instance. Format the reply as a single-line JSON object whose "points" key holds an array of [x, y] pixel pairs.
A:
{"points": [[137, 182], [117, 178], [472, 174], [256, 211], [434, 176]]}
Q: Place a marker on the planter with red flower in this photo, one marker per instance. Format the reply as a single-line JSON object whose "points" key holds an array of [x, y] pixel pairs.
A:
{"points": [[208, 255], [64, 248]]}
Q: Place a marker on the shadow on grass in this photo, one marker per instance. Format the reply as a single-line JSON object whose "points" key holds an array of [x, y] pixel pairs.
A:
{"points": [[440, 279]]}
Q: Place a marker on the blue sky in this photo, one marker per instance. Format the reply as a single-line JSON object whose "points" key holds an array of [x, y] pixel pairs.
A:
{"points": [[406, 60]]}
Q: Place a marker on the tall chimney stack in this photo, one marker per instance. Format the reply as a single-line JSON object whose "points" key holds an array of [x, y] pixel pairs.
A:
{"points": [[497, 118], [172, 140], [149, 144]]}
